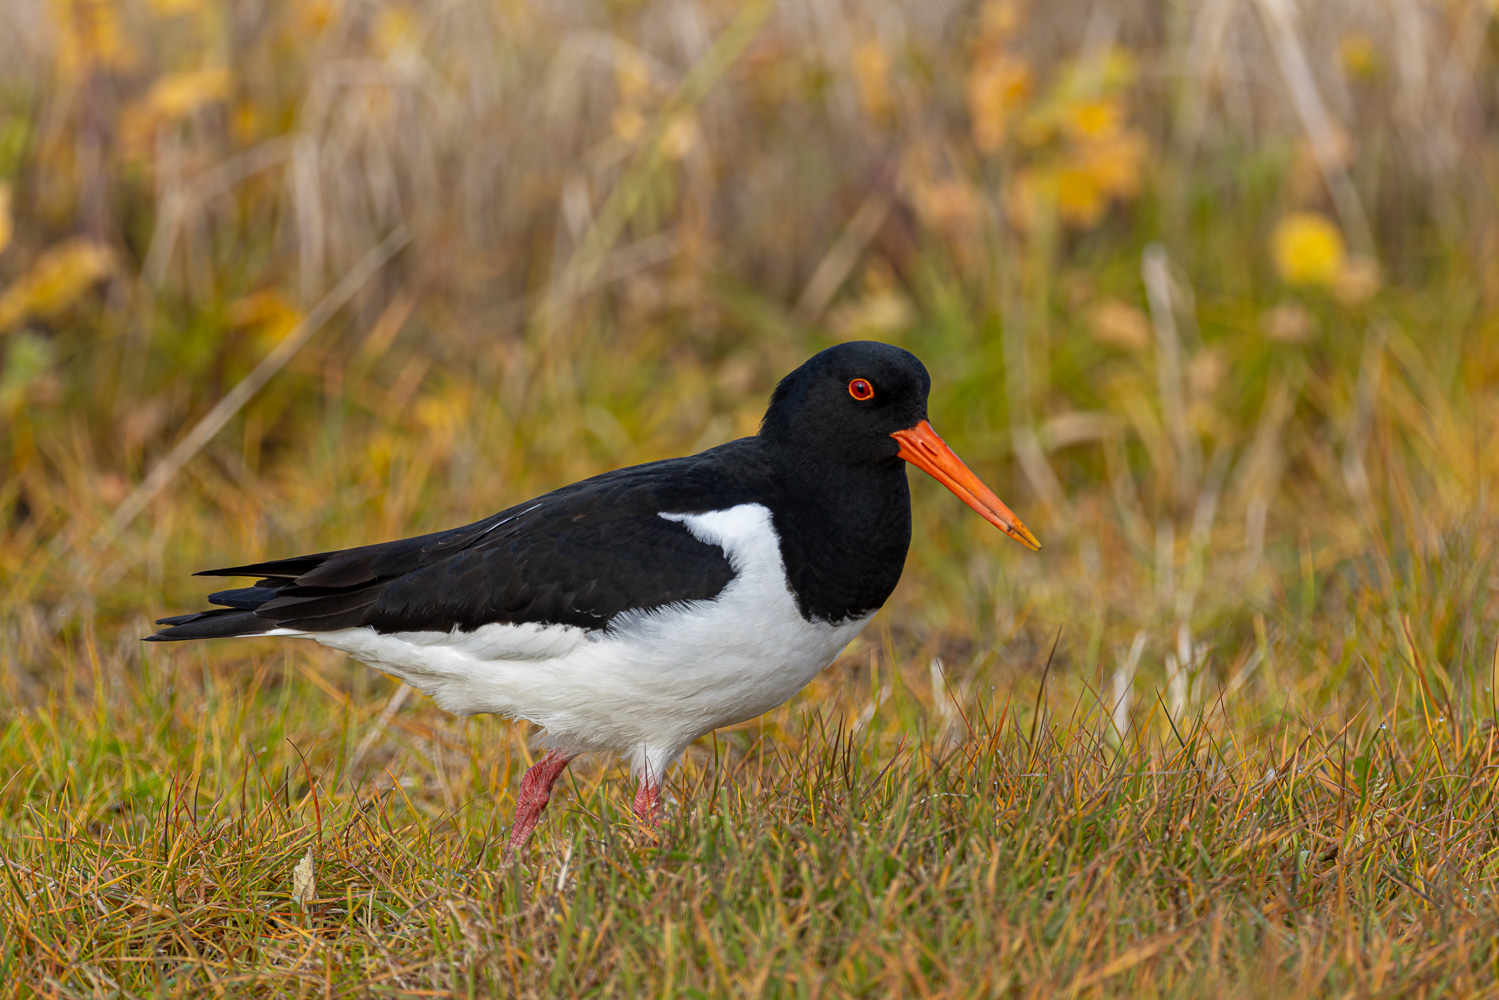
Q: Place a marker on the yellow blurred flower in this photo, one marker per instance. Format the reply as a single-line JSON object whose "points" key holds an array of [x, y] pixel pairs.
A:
{"points": [[1078, 183], [1093, 119], [178, 94], [999, 20], [173, 96], [1359, 57], [171, 8], [379, 454], [871, 66], [267, 315], [1097, 78], [1119, 68], [1076, 150], [313, 16], [1079, 199], [248, 122], [89, 34], [997, 87], [1115, 163], [394, 30], [7, 223], [1038, 128], [56, 280], [444, 415], [1307, 249]]}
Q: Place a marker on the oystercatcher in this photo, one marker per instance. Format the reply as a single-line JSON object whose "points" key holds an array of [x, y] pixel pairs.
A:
{"points": [[642, 608]]}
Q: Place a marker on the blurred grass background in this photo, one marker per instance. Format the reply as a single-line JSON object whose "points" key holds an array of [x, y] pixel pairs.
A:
{"points": [[1208, 295]]}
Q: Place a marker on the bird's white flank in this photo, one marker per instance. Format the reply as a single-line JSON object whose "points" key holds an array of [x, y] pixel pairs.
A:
{"points": [[653, 682]]}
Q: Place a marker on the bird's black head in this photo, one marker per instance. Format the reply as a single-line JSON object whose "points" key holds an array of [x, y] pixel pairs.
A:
{"points": [[862, 406], [842, 406]]}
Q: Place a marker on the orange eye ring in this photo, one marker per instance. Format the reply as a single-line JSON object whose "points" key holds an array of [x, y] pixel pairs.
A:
{"points": [[861, 390]]}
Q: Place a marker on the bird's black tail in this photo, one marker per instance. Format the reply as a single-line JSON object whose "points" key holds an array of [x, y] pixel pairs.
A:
{"points": [[220, 623], [236, 619], [324, 591]]}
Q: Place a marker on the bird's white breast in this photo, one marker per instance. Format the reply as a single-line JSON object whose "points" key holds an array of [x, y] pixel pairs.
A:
{"points": [[654, 680]]}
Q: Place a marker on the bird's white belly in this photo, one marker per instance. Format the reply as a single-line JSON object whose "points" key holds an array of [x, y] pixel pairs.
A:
{"points": [[655, 680]]}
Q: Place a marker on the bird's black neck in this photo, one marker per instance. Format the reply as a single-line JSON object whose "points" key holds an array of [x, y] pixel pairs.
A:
{"points": [[844, 532]]}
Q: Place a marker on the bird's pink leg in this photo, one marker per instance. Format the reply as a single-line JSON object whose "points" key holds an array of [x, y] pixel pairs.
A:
{"points": [[535, 792], [648, 802]]}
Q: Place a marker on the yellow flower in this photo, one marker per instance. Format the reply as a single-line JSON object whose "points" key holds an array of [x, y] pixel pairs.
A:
{"points": [[312, 17], [1115, 163], [178, 94], [247, 122], [56, 280], [1079, 79], [871, 65], [7, 224], [1093, 119], [1118, 70], [1359, 56], [394, 31], [172, 97], [1307, 249], [997, 87], [1080, 201], [999, 20], [266, 314], [171, 8], [90, 34]]}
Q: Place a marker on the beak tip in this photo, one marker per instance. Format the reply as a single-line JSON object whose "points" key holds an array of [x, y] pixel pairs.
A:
{"points": [[1023, 535], [921, 446], [1020, 533]]}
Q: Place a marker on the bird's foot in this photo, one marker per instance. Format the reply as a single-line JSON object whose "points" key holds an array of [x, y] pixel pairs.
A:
{"points": [[648, 807], [535, 793]]}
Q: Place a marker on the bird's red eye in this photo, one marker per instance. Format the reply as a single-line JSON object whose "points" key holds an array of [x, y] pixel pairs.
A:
{"points": [[860, 389]]}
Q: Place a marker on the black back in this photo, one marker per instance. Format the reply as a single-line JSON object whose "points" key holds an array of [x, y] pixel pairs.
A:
{"points": [[823, 464]]}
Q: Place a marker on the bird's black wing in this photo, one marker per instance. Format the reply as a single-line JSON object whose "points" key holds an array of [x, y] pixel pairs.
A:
{"points": [[578, 556]]}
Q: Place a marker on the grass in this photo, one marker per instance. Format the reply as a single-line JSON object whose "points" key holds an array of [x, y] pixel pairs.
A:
{"points": [[1232, 733], [903, 849]]}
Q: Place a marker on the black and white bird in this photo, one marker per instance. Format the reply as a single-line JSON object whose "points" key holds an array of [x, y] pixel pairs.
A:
{"points": [[638, 610]]}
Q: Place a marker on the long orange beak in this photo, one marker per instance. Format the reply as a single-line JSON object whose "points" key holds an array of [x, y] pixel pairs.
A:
{"points": [[921, 446]]}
